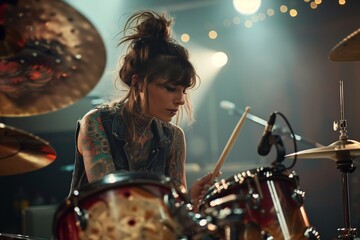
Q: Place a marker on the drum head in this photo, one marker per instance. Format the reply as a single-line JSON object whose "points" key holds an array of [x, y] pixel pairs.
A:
{"points": [[132, 205]]}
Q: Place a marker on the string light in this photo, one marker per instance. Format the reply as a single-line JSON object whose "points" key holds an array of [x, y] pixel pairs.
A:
{"points": [[252, 19]]}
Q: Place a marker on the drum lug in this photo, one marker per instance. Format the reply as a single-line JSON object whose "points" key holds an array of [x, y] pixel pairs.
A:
{"points": [[298, 196], [81, 217], [312, 234]]}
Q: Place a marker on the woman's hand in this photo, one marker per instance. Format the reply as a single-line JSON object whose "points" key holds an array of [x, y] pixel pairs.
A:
{"points": [[199, 189]]}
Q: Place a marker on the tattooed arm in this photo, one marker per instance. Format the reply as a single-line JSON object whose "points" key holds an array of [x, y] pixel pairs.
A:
{"points": [[94, 146], [177, 158]]}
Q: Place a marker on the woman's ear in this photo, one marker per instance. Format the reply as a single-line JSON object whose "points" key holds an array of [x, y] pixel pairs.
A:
{"points": [[136, 82]]}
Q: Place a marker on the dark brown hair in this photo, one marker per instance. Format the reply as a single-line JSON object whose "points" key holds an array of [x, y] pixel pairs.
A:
{"points": [[153, 53]]}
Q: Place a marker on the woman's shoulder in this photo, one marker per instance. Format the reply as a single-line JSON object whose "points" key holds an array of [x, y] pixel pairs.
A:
{"points": [[175, 129], [91, 116], [96, 112]]}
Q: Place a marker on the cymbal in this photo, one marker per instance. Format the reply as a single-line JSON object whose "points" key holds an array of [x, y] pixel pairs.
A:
{"points": [[50, 57], [22, 152], [348, 49], [340, 150]]}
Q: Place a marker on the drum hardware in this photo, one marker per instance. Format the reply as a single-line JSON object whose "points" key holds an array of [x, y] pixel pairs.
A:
{"points": [[22, 152], [343, 152], [312, 234], [47, 49], [230, 220], [298, 196], [280, 150], [253, 197], [81, 215], [277, 189], [195, 226]]}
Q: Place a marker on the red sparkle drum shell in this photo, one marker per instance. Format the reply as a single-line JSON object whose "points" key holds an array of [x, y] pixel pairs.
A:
{"points": [[266, 196], [121, 206]]}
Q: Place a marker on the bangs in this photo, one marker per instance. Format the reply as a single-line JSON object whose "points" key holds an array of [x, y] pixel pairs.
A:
{"points": [[176, 71]]}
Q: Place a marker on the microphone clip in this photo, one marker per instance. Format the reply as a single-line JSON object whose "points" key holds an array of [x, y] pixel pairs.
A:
{"points": [[280, 149]]}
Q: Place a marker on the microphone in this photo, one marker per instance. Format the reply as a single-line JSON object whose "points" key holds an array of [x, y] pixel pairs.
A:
{"points": [[265, 144]]}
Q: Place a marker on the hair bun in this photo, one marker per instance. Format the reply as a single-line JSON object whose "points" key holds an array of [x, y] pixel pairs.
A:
{"points": [[153, 26]]}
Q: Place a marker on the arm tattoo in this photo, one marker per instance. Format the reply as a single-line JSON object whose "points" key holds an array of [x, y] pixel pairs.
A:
{"points": [[177, 158], [95, 148]]}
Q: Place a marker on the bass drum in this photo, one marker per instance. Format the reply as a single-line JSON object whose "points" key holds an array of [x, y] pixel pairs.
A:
{"points": [[121, 206], [260, 203]]}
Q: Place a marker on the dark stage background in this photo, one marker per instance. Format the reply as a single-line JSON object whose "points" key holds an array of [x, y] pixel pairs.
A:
{"points": [[281, 63]]}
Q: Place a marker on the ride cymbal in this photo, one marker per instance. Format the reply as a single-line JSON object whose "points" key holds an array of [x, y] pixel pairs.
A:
{"points": [[340, 150], [22, 152], [50, 56], [348, 49]]}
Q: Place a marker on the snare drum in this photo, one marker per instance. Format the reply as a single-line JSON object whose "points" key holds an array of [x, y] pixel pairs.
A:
{"points": [[264, 199], [121, 206]]}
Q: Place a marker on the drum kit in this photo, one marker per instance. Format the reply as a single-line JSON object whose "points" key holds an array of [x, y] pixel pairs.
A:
{"points": [[47, 49]]}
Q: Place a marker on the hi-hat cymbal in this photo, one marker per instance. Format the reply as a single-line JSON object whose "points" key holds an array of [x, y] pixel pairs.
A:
{"points": [[348, 49], [340, 150], [22, 152], [50, 56]]}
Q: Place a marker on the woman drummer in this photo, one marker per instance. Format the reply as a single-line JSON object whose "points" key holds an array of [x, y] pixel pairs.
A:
{"points": [[135, 133]]}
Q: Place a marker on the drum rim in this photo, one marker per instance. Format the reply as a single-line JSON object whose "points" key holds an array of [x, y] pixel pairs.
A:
{"points": [[260, 171], [119, 179], [19, 236]]}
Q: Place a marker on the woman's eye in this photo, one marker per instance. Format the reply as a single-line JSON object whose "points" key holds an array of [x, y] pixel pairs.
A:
{"points": [[170, 89]]}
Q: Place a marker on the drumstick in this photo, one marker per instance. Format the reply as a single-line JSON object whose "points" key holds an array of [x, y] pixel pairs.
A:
{"points": [[229, 144]]}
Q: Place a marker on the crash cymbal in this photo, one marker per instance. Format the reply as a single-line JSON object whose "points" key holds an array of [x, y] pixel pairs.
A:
{"points": [[22, 152], [340, 150], [50, 56], [348, 49]]}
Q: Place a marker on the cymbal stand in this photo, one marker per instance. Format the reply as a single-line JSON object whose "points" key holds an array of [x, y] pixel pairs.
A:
{"points": [[346, 166]]}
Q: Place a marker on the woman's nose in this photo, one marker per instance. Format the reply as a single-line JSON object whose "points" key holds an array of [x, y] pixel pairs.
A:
{"points": [[180, 98]]}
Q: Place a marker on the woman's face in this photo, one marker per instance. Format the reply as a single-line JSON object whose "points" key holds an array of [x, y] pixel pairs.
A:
{"points": [[164, 99]]}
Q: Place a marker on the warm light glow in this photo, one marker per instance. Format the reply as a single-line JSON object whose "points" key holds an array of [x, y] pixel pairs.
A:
{"points": [[318, 2], [236, 20], [248, 24], [342, 2], [262, 16], [283, 8], [313, 5], [255, 18], [213, 34], [247, 7], [219, 59], [293, 13], [270, 12], [185, 37]]}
